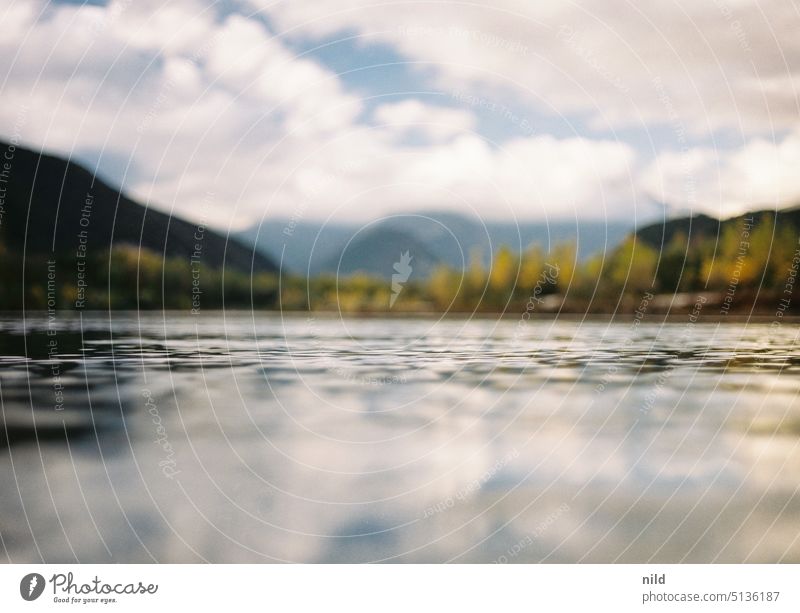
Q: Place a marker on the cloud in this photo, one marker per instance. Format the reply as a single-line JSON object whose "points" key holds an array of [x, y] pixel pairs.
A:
{"points": [[534, 177], [723, 63], [435, 123], [216, 116], [207, 105], [199, 104], [728, 182]]}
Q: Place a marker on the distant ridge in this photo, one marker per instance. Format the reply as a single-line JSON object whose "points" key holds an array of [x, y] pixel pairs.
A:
{"points": [[433, 238], [49, 202], [702, 226]]}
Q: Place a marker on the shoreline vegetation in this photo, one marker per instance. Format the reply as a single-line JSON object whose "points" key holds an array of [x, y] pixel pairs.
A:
{"points": [[749, 268], [673, 317]]}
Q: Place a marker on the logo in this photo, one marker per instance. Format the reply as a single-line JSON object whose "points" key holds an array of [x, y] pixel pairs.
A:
{"points": [[403, 272], [31, 586]]}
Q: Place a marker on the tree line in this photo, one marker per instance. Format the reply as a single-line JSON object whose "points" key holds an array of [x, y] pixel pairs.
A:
{"points": [[749, 264]]}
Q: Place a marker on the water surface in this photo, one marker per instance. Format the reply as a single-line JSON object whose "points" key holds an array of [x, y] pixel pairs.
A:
{"points": [[249, 438]]}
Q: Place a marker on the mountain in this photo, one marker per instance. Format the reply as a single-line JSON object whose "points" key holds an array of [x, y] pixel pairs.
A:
{"points": [[696, 227], [431, 238], [51, 205], [296, 245], [376, 253]]}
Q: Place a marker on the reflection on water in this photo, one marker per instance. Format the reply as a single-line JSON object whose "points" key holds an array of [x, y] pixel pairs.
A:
{"points": [[268, 438]]}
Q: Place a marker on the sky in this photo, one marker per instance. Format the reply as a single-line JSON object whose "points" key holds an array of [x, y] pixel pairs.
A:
{"points": [[235, 111]]}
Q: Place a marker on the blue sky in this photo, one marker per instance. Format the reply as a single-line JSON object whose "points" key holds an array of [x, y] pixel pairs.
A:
{"points": [[350, 109]]}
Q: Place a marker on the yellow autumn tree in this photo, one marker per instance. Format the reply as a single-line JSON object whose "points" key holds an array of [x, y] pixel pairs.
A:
{"points": [[503, 274]]}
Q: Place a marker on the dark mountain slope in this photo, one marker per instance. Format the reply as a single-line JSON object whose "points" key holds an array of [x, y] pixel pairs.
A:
{"points": [[49, 202], [704, 227]]}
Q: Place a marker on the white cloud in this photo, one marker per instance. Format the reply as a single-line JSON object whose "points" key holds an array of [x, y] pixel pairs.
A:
{"points": [[206, 103], [436, 123], [224, 107], [198, 105], [722, 63], [526, 178], [728, 182]]}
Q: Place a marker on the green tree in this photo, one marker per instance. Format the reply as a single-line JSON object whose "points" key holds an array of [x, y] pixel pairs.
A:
{"points": [[632, 267]]}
